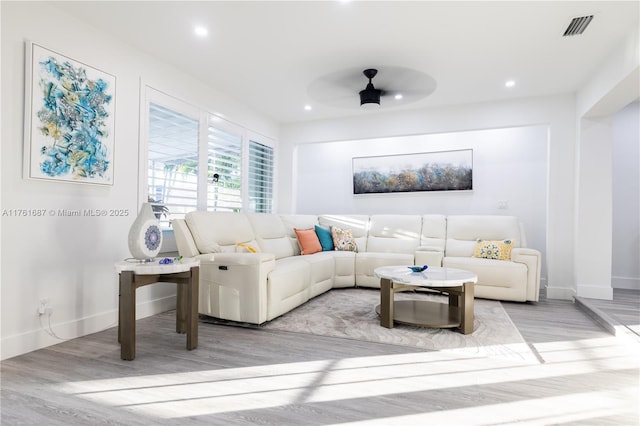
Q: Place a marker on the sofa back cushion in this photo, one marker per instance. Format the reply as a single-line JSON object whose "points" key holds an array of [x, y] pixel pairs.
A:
{"points": [[464, 231], [434, 231], [394, 233], [271, 234], [300, 221], [215, 232], [357, 224]]}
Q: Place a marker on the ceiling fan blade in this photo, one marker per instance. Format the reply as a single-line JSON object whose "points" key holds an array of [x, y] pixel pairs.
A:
{"points": [[341, 88]]}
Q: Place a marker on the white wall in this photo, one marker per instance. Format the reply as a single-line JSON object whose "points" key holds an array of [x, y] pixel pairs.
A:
{"points": [[70, 259], [555, 114], [593, 210], [611, 88], [579, 132], [626, 198], [509, 166]]}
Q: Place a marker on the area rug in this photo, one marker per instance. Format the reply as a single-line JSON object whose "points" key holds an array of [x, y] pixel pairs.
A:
{"points": [[350, 313]]}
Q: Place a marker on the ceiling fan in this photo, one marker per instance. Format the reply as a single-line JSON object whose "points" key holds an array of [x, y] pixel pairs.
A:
{"points": [[400, 85], [370, 96]]}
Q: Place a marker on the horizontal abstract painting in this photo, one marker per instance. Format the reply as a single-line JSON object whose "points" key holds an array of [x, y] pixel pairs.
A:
{"points": [[70, 112], [428, 171]]}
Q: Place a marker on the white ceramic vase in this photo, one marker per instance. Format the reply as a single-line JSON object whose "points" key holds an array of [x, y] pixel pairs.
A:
{"points": [[145, 236]]}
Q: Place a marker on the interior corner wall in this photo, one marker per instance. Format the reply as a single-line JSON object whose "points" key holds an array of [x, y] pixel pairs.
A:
{"points": [[556, 114], [509, 177], [70, 260], [615, 85], [594, 206], [625, 266]]}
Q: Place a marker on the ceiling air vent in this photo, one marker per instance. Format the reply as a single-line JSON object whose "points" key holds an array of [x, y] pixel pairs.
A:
{"points": [[578, 25]]}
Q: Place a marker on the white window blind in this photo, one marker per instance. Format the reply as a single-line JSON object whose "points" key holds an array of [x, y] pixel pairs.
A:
{"points": [[173, 162], [260, 191], [224, 160]]}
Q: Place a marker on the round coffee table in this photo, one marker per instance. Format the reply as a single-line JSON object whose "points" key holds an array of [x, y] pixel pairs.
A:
{"points": [[456, 283]]}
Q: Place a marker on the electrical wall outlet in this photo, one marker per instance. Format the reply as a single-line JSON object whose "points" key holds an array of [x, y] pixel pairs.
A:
{"points": [[44, 308]]}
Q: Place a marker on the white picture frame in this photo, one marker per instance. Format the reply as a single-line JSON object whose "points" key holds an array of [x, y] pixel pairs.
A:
{"points": [[69, 119]]}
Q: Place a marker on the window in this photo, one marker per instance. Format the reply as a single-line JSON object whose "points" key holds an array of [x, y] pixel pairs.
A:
{"points": [[224, 148], [260, 189], [172, 154], [199, 161]]}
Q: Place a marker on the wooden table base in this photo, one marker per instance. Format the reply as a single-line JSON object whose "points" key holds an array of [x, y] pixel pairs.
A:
{"points": [[186, 307], [457, 313]]}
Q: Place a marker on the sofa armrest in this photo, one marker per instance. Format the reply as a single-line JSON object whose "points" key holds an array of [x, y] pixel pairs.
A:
{"points": [[533, 259], [184, 240], [233, 286], [429, 255]]}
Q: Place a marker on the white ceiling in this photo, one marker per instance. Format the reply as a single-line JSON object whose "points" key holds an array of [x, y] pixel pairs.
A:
{"points": [[268, 54]]}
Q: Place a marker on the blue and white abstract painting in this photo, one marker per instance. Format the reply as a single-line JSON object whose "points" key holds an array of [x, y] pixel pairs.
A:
{"points": [[72, 106]]}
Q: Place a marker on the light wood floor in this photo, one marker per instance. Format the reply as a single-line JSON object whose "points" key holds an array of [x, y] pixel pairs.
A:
{"points": [[620, 315], [243, 376]]}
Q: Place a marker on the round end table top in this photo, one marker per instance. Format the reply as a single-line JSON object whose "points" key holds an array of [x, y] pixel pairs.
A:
{"points": [[433, 276], [154, 267]]}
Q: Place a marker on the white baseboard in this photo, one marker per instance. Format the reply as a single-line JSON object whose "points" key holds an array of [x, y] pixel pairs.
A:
{"points": [[595, 292], [626, 283], [560, 293], [23, 343]]}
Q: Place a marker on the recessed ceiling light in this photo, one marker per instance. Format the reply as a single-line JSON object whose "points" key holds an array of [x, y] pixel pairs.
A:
{"points": [[307, 107], [510, 83], [398, 96], [200, 31]]}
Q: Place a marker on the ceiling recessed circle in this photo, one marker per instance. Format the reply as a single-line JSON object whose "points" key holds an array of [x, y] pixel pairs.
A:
{"points": [[340, 89]]}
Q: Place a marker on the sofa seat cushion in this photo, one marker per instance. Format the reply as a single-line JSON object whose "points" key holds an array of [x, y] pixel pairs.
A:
{"points": [[323, 266], [345, 273], [495, 273], [366, 263], [291, 275], [287, 285], [323, 269]]}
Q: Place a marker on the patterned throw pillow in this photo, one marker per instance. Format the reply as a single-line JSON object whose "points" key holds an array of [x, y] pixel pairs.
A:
{"points": [[343, 239], [499, 250]]}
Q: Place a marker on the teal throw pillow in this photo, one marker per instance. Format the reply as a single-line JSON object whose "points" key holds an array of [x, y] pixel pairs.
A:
{"points": [[324, 235]]}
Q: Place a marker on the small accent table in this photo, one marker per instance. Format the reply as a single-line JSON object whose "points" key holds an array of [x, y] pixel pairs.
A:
{"points": [[457, 283], [185, 273]]}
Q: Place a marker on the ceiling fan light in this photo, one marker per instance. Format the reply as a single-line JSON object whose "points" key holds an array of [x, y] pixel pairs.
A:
{"points": [[370, 97], [370, 105]]}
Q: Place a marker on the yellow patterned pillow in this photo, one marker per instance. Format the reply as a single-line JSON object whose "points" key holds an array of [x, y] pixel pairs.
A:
{"points": [[499, 250]]}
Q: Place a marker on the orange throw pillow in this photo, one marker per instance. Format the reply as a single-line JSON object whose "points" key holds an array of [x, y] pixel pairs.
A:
{"points": [[308, 240]]}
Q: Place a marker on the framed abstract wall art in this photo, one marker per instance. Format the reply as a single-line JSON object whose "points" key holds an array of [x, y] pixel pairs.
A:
{"points": [[427, 171], [69, 119]]}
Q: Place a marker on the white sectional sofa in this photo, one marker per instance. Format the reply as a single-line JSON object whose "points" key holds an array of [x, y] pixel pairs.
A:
{"points": [[252, 270]]}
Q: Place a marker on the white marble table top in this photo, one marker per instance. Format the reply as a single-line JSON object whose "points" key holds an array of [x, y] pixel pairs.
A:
{"points": [[154, 267], [434, 276]]}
